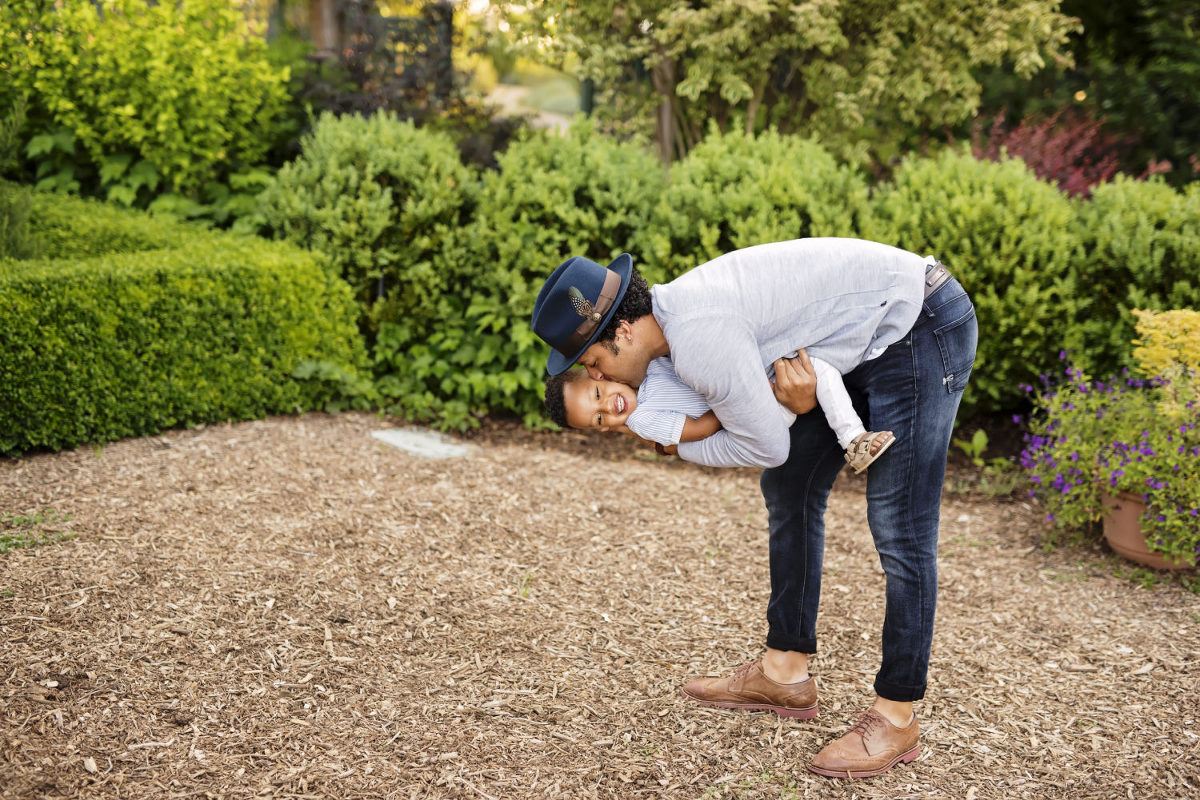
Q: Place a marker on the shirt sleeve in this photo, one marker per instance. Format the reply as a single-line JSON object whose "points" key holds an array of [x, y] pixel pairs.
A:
{"points": [[664, 427], [719, 357]]}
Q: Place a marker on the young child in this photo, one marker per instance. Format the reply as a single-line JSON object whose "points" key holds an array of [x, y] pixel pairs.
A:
{"points": [[667, 411]]}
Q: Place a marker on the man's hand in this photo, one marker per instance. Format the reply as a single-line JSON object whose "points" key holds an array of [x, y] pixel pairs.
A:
{"points": [[795, 383]]}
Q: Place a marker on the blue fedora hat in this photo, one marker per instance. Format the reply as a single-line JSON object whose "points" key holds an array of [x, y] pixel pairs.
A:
{"points": [[575, 304]]}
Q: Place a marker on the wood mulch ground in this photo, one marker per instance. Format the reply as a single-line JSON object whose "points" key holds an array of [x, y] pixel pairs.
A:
{"points": [[289, 608]]}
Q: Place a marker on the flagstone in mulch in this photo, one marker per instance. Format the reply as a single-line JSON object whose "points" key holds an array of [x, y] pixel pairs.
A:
{"points": [[291, 608]]}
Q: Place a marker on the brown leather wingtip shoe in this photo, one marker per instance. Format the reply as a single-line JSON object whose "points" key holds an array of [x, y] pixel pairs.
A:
{"points": [[872, 747], [748, 689]]}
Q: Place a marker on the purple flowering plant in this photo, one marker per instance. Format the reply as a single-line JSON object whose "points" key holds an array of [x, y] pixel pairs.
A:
{"points": [[1138, 436]]}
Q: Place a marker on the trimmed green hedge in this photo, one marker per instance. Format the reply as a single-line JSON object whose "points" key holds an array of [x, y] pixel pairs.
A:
{"points": [[70, 228], [128, 344]]}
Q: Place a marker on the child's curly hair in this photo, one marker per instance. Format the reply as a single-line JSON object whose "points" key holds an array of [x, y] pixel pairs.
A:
{"points": [[556, 405]]}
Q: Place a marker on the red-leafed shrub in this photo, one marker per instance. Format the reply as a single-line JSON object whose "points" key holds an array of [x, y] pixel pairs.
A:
{"points": [[1073, 152]]}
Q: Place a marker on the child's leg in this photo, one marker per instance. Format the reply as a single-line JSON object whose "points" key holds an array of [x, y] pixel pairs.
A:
{"points": [[835, 403]]}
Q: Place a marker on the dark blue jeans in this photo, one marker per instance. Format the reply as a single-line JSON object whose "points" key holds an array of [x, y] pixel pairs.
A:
{"points": [[913, 390]]}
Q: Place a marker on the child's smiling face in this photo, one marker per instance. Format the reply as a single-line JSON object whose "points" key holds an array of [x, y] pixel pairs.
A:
{"points": [[599, 405]]}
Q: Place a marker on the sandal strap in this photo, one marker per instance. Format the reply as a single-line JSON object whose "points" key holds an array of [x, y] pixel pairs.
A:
{"points": [[859, 454]]}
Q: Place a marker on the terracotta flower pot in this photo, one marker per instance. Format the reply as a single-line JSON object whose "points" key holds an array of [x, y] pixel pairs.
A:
{"points": [[1123, 532]]}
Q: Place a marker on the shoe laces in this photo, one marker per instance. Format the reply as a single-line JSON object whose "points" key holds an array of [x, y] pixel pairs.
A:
{"points": [[744, 669], [867, 722]]}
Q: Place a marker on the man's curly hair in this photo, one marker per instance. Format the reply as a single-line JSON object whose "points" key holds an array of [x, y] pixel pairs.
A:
{"points": [[556, 404], [633, 306]]}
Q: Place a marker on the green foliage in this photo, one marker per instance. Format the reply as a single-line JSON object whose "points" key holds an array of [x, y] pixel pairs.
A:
{"points": [[1166, 83], [22, 531], [1140, 251], [69, 228], [332, 388], [16, 206], [1092, 440], [738, 190], [108, 346], [15, 202], [553, 197], [861, 75], [997, 477], [975, 447], [1009, 239], [380, 198], [130, 98], [1168, 343], [11, 127], [1137, 68]]}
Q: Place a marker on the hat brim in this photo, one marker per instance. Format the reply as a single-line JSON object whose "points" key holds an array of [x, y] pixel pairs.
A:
{"points": [[558, 362]]}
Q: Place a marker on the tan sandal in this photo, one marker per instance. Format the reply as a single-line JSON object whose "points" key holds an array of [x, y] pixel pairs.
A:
{"points": [[859, 455]]}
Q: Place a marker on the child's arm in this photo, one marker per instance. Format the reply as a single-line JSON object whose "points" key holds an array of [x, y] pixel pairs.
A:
{"points": [[658, 448], [700, 428]]}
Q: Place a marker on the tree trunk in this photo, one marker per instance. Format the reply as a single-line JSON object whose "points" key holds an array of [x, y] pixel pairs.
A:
{"points": [[662, 78], [754, 105], [323, 25]]}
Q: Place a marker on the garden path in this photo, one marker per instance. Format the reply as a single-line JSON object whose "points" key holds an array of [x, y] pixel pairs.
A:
{"points": [[291, 608]]}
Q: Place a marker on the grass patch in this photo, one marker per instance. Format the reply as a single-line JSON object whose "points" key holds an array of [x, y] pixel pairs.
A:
{"points": [[998, 479], [1146, 578], [765, 784], [995, 477], [550, 90], [22, 531], [1152, 579], [560, 96]]}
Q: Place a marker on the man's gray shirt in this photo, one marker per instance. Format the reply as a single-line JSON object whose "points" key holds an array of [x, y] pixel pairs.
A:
{"points": [[727, 320]]}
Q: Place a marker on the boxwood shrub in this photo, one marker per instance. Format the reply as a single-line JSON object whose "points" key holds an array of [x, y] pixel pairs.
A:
{"points": [[66, 227], [132, 343], [379, 197], [735, 191], [1010, 239], [553, 196], [1141, 244]]}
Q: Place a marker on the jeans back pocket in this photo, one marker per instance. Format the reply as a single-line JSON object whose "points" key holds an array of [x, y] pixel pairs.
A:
{"points": [[957, 340]]}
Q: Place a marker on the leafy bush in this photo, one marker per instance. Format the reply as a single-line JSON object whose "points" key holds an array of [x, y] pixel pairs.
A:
{"points": [[130, 98], [553, 197], [379, 198], [1074, 153], [72, 228], [15, 202], [734, 191], [1009, 239], [133, 343], [1168, 343], [16, 206], [1135, 65], [1140, 242]]}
